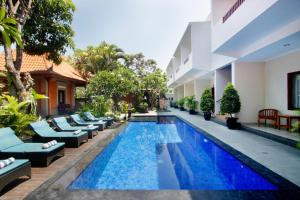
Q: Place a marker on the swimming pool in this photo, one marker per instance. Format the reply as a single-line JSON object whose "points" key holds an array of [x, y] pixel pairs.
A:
{"points": [[168, 154]]}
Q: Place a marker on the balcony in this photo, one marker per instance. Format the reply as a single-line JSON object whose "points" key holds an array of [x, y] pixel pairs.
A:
{"points": [[192, 55], [232, 9], [248, 26]]}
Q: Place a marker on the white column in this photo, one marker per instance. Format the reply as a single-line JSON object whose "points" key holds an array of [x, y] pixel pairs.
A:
{"points": [[222, 78], [249, 80]]}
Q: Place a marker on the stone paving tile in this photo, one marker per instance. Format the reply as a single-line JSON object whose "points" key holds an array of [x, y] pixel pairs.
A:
{"points": [[282, 159]]}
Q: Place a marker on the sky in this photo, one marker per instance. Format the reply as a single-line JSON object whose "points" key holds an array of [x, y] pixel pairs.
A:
{"points": [[153, 27]]}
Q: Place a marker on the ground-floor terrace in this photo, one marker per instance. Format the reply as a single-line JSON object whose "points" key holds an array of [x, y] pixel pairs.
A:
{"points": [[266, 154], [274, 83]]}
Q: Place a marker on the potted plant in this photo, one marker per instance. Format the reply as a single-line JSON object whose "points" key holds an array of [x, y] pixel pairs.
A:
{"points": [[143, 107], [181, 104], [172, 104], [230, 104], [191, 103], [207, 104], [176, 104]]}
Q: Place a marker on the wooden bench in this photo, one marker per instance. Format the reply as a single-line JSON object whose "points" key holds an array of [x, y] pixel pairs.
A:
{"points": [[268, 114]]}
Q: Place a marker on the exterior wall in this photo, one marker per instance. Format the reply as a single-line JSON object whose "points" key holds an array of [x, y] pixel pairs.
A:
{"points": [[201, 46], [219, 8], [179, 92], [276, 81], [189, 89], [222, 78], [222, 32], [41, 87], [200, 86], [249, 80], [70, 94]]}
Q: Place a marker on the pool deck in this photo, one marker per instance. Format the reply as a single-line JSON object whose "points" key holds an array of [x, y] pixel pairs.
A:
{"points": [[22, 188], [281, 159], [52, 182]]}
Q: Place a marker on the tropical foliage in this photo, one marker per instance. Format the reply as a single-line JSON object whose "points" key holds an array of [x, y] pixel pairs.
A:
{"points": [[230, 102], [139, 65], [113, 85], [207, 102], [143, 107], [8, 28], [181, 102], [116, 75], [92, 60], [155, 85], [45, 28], [15, 114], [48, 28], [100, 106]]}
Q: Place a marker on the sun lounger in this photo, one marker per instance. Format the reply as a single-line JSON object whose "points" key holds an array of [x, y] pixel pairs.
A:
{"points": [[90, 117], [14, 171], [62, 124], [44, 133], [80, 122], [12, 146]]}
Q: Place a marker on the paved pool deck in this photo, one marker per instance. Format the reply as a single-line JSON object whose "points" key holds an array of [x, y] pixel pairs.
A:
{"points": [[281, 159]]}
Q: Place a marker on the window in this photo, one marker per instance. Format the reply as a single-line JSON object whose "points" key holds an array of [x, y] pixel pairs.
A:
{"points": [[294, 90]]}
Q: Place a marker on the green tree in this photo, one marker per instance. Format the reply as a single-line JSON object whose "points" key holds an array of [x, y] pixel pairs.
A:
{"points": [[113, 84], [94, 59], [48, 29], [156, 84], [230, 102], [45, 27], [140, 65]]}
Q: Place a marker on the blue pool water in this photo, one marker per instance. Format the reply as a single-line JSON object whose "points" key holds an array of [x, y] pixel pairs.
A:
{"points": [[167, 155]]}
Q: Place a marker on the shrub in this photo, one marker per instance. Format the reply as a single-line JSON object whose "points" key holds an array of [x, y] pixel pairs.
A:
{"points": [[143, 107], [99, 106], [296, 125], [124, 106], [230, 102], [191, 102], [207, 101], [181, 102], [14, 114]]}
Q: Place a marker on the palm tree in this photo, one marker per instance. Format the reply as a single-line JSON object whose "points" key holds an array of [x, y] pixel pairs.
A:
{"points": [[99, 58]]}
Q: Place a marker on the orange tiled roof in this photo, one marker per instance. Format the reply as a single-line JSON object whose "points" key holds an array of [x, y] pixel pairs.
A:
{"points": [[36, 64]]}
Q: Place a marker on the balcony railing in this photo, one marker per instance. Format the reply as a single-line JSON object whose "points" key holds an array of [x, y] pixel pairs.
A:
{"points": [[236, 5]]}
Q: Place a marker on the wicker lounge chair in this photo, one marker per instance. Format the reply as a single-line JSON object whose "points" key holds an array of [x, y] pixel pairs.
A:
{"points": [[90, 117], [44, 133], [80, 122], [62, 124], [12, 146], [14, 171]]}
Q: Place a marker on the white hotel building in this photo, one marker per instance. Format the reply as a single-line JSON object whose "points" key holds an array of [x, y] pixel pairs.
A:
{"points": [[253, 44]]}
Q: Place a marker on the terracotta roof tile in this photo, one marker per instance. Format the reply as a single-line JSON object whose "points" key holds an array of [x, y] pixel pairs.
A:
{"points": [[35, 64]]}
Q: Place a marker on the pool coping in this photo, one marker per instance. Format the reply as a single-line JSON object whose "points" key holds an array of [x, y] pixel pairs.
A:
{"points": [[56, 187], [265, 134]]}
